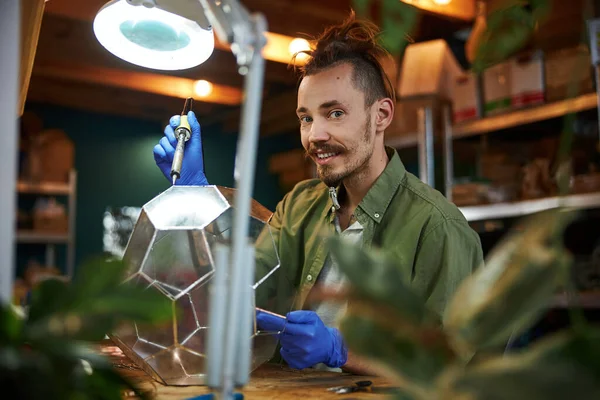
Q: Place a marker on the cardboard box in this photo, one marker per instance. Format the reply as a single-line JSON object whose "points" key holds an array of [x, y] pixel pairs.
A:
{"points": [[469, 194], [405, 125], [466, 98], [568, 70], [428, 68], [51, 157], [499, 168], [527, 80], [497, 88], [50, 224]]}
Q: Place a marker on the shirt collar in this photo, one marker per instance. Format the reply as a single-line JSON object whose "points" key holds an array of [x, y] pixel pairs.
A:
{"points": [[378, 198]]}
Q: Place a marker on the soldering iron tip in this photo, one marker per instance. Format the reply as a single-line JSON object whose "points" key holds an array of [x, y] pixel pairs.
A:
{"points": [[174, 179], [187, 107]]}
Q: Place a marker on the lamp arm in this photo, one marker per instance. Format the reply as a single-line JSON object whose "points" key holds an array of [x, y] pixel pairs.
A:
{"points": [[234, 25], [245, 32]]}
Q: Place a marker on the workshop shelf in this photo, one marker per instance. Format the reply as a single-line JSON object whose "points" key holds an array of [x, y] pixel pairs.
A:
{"points": [[527, 207]]}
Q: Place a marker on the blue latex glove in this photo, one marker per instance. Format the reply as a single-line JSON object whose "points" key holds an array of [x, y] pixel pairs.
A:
{"points": [[305, 340], [268, 322], [192, 168]]}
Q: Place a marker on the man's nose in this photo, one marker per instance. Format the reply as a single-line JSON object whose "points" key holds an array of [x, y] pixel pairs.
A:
{"points": [[318, 132]]}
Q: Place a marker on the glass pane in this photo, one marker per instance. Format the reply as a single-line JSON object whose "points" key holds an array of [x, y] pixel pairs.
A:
{"points": [[178, 261]]}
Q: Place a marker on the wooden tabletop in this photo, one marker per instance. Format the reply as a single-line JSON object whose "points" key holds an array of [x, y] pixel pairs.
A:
{"points": [[267, 382]]}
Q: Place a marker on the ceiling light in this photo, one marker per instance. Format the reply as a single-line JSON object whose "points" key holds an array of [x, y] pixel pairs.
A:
{"points": [[442, 2], [298, 44], [151, 37], [203, 88]]}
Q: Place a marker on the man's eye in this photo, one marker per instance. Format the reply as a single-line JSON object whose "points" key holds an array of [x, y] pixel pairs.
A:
{"points": [[305, 119], [336, 114]]}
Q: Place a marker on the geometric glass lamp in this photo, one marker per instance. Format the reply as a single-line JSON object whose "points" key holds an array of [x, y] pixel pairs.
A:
{"points": [[172, 251]]}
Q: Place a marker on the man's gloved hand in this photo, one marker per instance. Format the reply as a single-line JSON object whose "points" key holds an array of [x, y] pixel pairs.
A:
{"points": [[305, 340], [192, 168]]}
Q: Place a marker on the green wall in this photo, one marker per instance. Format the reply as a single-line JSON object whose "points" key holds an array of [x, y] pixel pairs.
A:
{"points": [[115, 165]]}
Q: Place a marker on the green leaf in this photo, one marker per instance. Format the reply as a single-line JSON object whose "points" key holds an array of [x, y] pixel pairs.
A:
{"points": [[10, 325], [134, 304], [381, 282], [94, 304], [515, 286], [563, 366], [99, 275], [509, 28], [540, 9], [361, 7], [41, 355], [49, 297], [398, 21], [413, 355]]}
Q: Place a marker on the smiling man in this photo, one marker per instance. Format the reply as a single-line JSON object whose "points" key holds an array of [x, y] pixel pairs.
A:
{"points": [[345, 104]]}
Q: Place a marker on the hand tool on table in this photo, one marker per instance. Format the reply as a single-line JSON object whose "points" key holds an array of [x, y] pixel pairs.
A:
{"points": [[211, 396], [182, 133], [360, 386]]}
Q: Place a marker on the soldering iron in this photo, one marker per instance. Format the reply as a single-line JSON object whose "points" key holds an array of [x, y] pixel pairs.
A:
{"points": [[182, 133]]}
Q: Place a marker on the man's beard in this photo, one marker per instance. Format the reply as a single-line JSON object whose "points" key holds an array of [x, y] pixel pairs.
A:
{"points": [[326, 172]]}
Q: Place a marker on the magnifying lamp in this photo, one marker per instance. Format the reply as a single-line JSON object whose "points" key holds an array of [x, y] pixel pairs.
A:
{"points": [[152, 37]]}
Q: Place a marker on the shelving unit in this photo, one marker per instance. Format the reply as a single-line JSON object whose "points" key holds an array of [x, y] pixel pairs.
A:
{"points": [[506, 120], [68, 189], [49, 188], [517, 118], [423, 139], [34, 237], [525, 116], [526, 207]]}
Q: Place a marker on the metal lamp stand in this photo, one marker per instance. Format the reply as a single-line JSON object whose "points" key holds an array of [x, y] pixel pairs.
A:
{"points": [[230, 310], [9, 77]]}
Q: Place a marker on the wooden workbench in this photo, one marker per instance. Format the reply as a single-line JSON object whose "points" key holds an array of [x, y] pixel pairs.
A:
{"points": [[267, 382]]}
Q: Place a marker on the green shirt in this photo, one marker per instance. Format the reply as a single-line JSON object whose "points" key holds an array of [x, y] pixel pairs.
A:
{"points": [[427, 235]]}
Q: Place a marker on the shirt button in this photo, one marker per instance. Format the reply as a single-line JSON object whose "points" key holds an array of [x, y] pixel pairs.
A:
{"points": [[309, 278], [376, 215]]}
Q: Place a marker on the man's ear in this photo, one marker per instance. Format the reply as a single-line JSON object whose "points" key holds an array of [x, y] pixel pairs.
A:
{"points": [[384, 114]]}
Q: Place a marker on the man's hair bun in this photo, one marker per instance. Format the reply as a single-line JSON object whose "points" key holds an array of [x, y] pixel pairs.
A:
{"points": [[355, 42]]}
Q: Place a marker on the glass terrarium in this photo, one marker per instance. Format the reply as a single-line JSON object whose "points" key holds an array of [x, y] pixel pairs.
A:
{"points": [[171, 250]]}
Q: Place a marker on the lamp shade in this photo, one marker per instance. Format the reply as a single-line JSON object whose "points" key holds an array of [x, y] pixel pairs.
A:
{"points": [[151, 37]]}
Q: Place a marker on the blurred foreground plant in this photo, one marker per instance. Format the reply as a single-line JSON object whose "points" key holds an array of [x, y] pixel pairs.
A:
{"points": [[510, 25], [48, 353], [431, 357]]}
